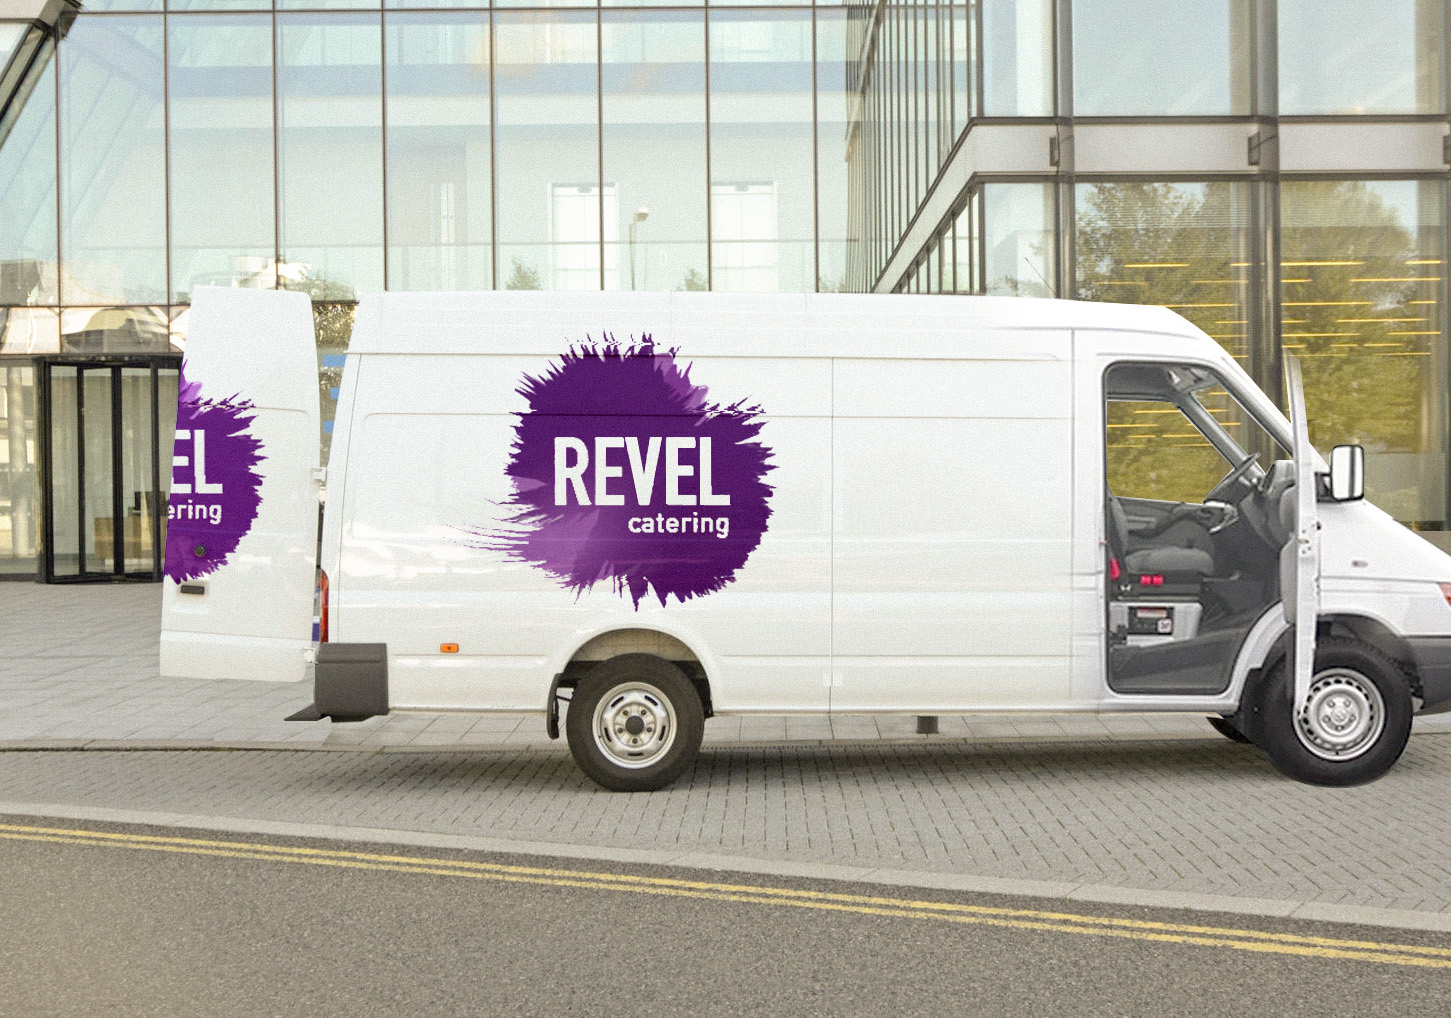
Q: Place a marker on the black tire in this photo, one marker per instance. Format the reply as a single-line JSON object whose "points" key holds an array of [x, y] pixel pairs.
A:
{"points": [[1357, 673], [635, 723], [1226, 728]]}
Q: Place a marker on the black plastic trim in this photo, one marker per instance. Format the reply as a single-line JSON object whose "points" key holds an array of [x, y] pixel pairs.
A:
{"points": [[551, 715], [350, 684], [1432, 655]]}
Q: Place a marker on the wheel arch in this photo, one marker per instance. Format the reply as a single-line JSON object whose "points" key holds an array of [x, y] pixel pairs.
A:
{"points": [[1266, 645], [610, 642]]}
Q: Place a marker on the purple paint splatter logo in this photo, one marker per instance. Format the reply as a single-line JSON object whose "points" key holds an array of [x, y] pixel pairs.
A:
{"points": [[215, 484], [625, 472]]}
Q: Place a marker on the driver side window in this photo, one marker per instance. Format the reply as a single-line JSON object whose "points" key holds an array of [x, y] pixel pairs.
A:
{"points": [[1156, 453]]}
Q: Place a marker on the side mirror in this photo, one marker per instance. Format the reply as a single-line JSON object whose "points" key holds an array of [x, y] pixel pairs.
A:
{"points": [[1347, 473]]}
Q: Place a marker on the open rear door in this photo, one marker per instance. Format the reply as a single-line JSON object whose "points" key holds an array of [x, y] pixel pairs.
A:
{"points": [[1300, 557], [241, 538]]}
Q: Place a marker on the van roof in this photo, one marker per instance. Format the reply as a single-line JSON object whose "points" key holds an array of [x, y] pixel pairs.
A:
{"points": [[524, 322]]}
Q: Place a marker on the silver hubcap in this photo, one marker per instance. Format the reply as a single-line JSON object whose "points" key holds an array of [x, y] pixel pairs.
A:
{"points": [[1343, 716], [634, 724]]}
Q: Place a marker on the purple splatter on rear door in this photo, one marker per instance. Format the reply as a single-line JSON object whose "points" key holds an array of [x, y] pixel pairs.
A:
{"points": [[215, 483], [624, 472]]}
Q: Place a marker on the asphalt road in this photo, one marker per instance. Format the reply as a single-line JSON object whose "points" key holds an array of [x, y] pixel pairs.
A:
{"points": [[103, 919]]}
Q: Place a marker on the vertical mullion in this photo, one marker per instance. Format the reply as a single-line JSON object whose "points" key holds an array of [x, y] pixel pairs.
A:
{"points": [[815, 165], [118, 506], [934, 19], [889, 129], [709, 188], [979, 102], [600, 139], [909, 112], [981, 239], [1445, 375], [914, 88], [909, 108], [903, 167], [383, 132], [80, 471], [276, 158], [949, 92], [166, 150], [493, 161], [155, 474], [46, 565], [59, 193]]}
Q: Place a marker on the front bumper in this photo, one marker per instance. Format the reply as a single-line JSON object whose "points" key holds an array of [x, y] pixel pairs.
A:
{"points": [[1433, 663]]}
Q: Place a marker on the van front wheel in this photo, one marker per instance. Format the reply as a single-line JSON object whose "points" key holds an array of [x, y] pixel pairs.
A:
{"points": [[1352, 728], [635, 723]]}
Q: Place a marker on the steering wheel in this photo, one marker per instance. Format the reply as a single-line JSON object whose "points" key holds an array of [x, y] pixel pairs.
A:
{"points": [[1223, 490]]}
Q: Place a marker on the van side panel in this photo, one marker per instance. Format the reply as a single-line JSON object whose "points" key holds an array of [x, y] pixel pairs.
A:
{"points": [[953, 529], [769, 630], [427, 497]]}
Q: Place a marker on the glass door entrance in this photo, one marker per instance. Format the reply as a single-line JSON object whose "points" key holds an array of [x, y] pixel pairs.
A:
{"points": [[107, 430]]}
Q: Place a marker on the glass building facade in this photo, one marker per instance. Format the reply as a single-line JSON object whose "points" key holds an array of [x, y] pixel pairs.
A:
{"points": [[1274, 170], [339, 147]]}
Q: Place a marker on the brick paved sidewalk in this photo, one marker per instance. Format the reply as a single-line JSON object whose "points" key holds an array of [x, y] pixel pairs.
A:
{"points": [[78, 666]]}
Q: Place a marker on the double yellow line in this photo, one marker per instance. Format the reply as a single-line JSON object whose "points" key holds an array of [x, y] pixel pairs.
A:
{"points": [[860, 904]]}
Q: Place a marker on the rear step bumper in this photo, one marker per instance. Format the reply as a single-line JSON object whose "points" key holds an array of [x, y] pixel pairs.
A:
{"points": [[350, 684]]}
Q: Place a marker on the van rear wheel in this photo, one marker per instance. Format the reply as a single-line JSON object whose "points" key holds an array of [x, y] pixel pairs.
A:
{"points": [[1352, 728], [635, 723]]}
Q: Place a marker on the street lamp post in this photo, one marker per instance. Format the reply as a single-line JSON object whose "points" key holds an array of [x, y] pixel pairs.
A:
{"points": [[641, 214], [29, 30]]}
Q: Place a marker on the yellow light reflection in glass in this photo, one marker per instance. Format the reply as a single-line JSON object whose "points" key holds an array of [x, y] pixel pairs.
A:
{"points": [[1156, 265], [1299, 264]]}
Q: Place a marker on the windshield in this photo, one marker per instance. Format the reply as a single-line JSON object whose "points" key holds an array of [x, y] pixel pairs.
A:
{"points": [[1173, 431]]}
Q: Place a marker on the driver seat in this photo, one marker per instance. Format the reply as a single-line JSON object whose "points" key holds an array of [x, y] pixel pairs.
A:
{"points": [[1194, 561]]}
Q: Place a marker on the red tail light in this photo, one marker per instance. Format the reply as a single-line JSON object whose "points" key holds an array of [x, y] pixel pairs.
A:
{"points": [[1151, 580], [322, 615], [1445, 591], [1114, 572]]}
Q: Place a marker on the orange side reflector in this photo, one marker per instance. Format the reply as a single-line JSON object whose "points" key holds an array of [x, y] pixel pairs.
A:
{"points": [[448, 648]]}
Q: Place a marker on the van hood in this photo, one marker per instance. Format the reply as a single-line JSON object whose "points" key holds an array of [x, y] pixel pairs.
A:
{"points": [[1359, 541]]}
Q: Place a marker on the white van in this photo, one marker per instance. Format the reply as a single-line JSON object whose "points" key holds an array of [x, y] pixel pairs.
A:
{"points": [[659, 508]]}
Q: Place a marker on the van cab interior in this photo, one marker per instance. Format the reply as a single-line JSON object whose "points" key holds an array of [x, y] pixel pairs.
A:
{"points": [[1198, 502]]}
